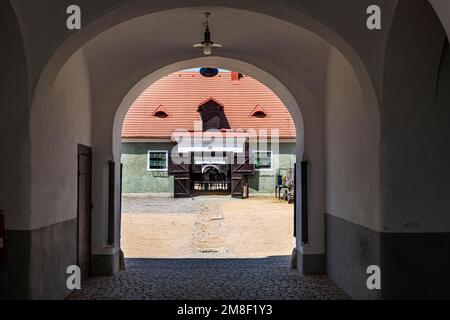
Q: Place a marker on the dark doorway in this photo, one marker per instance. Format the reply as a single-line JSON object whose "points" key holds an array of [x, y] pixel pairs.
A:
{"points": [[84, 210], [211, 179]]}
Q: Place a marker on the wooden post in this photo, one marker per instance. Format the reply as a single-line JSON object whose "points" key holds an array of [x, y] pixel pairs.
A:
{"points": [[247, 192], [305, 229], [111, 203], [295, 200]]}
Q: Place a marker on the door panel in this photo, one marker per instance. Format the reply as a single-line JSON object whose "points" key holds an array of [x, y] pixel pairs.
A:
{"points": [[237, 187], [84, 211], [238, 173], [182, 186], [245, 167], [182, 179], [197, 168], [176, 169]]}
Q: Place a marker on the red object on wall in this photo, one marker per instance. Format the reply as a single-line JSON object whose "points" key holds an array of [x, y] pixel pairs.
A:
{"points": [[2, 237]]}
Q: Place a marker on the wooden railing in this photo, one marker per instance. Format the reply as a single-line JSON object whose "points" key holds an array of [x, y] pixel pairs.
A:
{"points": [[211, 186]]}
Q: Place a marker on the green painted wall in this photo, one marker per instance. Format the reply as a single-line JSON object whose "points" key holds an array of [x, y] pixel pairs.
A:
{"points": [[136, 176], [264, 181], [138, 179]]}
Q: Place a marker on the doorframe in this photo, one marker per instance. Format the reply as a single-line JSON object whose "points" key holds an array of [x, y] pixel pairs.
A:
{"points": [[86, 151]]}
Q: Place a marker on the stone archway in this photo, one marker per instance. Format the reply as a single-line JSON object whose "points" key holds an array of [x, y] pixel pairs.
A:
{"points": [[107, 95], [221, 62], [298, 87]]}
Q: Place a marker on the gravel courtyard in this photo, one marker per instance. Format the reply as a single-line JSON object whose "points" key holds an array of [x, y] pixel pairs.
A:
{"points": [[207, 248], [206, 227]]}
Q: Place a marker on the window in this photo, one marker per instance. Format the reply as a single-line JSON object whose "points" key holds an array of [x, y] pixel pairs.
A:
{"points": [[258, 112], [213, 115], [263, 160], [158, 160], [160, 113]]}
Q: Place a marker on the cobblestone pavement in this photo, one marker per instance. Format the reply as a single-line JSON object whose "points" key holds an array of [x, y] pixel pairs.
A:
{"points": [[148, 204], [211, 279]]}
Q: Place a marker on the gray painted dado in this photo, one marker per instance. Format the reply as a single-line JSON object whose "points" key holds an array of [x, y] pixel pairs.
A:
{"points": [[105, 265], [413, 265], [350, 249], [37, 262], [311, 263]]}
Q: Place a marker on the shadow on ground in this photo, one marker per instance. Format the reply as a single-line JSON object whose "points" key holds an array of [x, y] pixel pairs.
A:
{"points": [[209, 279]]}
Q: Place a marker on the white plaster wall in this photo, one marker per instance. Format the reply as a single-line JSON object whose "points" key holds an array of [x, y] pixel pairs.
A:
{"points": [[57, 127], [44, 24], [352, 144]]}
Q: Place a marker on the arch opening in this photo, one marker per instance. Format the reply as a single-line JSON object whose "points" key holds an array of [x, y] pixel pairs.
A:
{"points": [[211, 172]]}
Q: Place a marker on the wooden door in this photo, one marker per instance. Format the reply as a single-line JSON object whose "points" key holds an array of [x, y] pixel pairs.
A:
{"points": [[182, 179], [243, 168], [237, 186], [84, 210], [238, 172], [182, 186]]}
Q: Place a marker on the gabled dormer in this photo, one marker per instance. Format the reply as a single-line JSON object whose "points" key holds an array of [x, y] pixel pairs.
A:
{"points": [[258, 112], [160, 112], [213, 115]]}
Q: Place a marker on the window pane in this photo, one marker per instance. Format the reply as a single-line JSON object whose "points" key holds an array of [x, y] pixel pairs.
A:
{"points": [[263, 160], [158, 160]]}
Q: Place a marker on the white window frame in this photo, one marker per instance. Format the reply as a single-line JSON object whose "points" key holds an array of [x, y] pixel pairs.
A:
{"points": [[167, 160], [271, 160]]}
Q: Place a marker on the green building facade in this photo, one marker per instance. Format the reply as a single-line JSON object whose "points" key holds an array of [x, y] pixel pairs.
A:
{"points": [[140, 178]]}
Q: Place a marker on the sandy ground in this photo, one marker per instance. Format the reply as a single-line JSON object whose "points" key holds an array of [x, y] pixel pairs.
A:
{"points": [[206, 227]]}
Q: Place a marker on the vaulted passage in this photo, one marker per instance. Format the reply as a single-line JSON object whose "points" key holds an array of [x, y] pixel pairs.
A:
{"points": [[369, 108]]}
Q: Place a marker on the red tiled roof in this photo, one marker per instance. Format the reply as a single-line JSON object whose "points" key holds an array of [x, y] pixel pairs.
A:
{"points": [[180, 94]]}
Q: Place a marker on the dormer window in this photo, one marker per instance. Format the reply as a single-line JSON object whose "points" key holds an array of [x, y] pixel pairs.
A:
{"points": [[160, 113], [213, 115], [258, 112]]}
